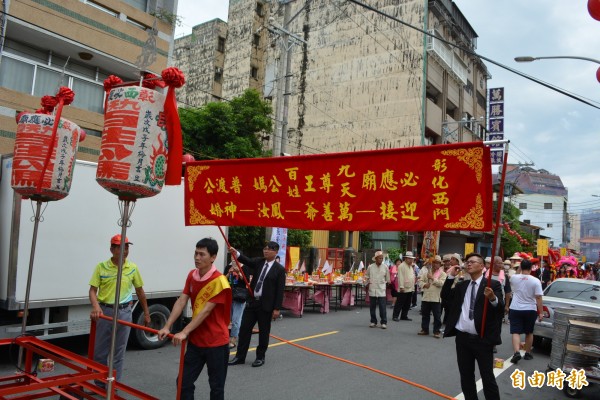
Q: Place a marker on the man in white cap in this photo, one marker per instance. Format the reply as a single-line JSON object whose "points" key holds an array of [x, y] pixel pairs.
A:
{"points": [[406, 285], [378, 277]]}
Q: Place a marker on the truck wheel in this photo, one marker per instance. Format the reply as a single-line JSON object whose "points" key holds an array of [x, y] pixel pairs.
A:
{"points": [[159, 315]]}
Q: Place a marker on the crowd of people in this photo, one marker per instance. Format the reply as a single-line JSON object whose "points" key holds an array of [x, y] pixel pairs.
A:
{"points": [[226, 307]]}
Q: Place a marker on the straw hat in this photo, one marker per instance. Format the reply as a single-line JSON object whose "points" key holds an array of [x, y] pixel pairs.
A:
{"points": [[446, 257], [457, 257], [378, 253], [409, 254], [437, 259], [516, 256]]}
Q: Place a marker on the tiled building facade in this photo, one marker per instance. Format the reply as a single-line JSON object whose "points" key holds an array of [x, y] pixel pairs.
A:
{"points": [[76, 43]]}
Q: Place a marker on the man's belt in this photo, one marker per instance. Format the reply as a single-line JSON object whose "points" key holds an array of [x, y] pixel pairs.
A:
{"points": [[121, 306]]}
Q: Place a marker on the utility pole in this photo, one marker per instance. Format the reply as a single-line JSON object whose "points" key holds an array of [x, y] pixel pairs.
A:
{"points": [[284, 72], [280, 110]]}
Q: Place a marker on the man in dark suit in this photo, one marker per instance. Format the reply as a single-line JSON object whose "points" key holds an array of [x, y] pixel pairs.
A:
{"points": [[268, 284], [544, 274], [465, 315]]}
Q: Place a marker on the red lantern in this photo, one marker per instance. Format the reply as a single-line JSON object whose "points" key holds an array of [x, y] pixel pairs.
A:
{"points": [[594, 9], [598, 74], [188, 158]]}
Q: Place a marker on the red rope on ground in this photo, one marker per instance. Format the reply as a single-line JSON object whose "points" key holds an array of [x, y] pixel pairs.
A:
{"points": [[444, 396]]}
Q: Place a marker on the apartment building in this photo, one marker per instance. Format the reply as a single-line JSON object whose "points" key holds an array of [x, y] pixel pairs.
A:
{"points": [[543, 202], [77, 43], [201, 57]]}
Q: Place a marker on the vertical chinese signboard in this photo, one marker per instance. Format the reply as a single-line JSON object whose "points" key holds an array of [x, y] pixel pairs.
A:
{"points": [[444, 187], [496, 123]]}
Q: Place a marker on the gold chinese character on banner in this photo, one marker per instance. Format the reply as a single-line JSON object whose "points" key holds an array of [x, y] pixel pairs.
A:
{"points": [[309, 184], [259, 184], [326, 180], [345, 170], [409, 179], [439, 165], [369, 181], [292, 173], [387, 211], [409, 211], [310, 212], [236, 185], [387, 180], [346, 190]]}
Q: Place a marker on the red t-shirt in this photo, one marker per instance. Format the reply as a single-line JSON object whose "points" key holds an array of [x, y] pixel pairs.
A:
{"points": [[214, 330]]}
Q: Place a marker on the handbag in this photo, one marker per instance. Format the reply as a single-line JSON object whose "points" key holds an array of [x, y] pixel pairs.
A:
{"points": [[239, 294]]}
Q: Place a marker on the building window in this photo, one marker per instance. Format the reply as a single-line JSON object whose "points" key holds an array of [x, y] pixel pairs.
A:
{"points": [[256, 40], [218, 74], [221, 45], [254, 72], [522, 206], [26, 76], [527, 221], [548, 225], [102, 8], [139, 4], [547, 206]]}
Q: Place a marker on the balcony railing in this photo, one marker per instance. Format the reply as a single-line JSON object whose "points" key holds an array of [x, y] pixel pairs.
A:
{"points": [[452, 62]]}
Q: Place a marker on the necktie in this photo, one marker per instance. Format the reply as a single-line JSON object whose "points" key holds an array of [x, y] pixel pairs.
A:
{"points": [[261, 278], [472, 304]]}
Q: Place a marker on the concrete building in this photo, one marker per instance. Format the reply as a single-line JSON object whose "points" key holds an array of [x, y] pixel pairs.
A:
{"points": [[361, 81], [77, 43], [543, 202], [201, 57], [589, 235]]}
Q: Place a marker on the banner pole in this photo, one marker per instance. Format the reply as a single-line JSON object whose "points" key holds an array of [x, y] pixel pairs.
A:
{"points": [[497, 232], [237, 263]]}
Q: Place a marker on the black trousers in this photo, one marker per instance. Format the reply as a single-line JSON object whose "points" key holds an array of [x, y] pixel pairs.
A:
{"points": [[402, 305], [470, 348], [254, 313], [215, 359], [427, 308]]}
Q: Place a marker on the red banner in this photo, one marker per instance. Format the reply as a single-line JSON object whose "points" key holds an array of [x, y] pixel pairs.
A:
{"points": [[441, 187]]}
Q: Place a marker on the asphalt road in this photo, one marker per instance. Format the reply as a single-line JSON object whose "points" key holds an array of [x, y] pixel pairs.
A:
{"points": [[408, 366]]}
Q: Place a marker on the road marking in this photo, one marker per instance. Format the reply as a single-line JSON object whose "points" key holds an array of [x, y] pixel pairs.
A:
{"points": [[299, 339], [479, 383]]}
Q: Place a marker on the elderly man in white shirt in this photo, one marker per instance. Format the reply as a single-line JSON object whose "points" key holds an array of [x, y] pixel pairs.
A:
{"points": [[378, 277]]}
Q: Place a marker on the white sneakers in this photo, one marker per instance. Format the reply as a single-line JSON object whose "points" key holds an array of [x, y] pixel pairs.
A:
{"points": [[372, 325], [383, 326]]}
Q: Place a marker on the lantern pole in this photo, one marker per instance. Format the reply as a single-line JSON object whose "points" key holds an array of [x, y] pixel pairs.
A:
{"points": [[111, 355], [36, 223]]}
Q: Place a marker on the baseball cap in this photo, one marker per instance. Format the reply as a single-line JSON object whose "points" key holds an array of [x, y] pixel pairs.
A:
{"points": [[117, 240]]}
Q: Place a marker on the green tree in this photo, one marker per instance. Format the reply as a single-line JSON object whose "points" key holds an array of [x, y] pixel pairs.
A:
{"points": [[365, 240], [299, 237], [227, 130]]}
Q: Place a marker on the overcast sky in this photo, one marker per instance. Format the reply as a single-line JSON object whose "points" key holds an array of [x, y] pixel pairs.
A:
{"points": [[549, 129]]}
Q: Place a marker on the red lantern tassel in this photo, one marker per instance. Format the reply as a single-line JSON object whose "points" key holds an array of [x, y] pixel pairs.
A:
{"points": [[174, 78], [64, 97]]}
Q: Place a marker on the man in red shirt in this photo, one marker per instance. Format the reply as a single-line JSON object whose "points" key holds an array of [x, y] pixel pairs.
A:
{"points": [[207, 332]]}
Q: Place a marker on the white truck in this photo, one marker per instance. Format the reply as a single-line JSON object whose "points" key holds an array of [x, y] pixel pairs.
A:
{"points": [[73, 237]]}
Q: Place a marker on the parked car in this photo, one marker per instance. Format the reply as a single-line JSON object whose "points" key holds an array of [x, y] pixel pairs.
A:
{"points": [[569, 293]]}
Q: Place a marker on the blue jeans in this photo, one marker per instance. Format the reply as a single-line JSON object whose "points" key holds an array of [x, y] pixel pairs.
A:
{"points": [[373, 303], [215, 359], [237, 310]]}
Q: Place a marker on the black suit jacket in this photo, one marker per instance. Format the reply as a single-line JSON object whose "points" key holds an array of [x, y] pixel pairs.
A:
{"points": [[545, 276], [274, 284], [455, 298]]}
